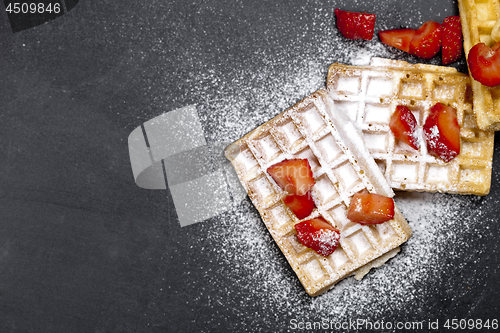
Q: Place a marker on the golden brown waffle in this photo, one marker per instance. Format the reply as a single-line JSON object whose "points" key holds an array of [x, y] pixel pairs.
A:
{"points": [[342, 166], [370, 94], [478, 18]]}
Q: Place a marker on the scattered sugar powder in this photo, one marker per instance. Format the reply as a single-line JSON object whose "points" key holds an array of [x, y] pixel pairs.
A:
{"points": [[244, 95], [254, 287], [249, 286], [252, 269]]}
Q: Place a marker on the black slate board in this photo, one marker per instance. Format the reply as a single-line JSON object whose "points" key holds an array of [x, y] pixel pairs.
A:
{"points": [[83, 249]]}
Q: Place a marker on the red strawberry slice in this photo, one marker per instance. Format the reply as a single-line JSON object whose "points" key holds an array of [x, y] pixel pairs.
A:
{"points": [[355, 25], [484, 64], [451, 35], [427, 40], [370, 208], [294, 176], [442, 132], [301, 205], [398, 38], [404, 126], [318, 235]]}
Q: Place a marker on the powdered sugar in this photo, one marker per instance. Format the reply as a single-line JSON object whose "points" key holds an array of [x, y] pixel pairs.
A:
{"points": [[248, 284], [323, 241], [253, 268]]}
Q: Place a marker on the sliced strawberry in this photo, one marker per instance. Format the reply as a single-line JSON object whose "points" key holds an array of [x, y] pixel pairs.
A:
{"points": [[404, 126], [484, 64], [442, 132], [318, 235], [451, 35], [355, 25], [370, 208], [301, 205], [294, 176], [427, 40], [398, 38]]}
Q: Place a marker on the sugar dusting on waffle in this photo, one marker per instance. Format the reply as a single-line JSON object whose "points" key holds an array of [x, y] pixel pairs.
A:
{"points": [[370, 94], [478, 19], [302, 128], [342, 166], [251, 266]]}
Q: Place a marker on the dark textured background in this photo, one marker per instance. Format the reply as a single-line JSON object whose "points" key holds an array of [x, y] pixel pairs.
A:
{"points": [[82, 248]]}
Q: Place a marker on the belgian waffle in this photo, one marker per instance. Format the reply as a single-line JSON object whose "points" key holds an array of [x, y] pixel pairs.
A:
{"points": [[341, 166], [478, 18], [369, 95]]}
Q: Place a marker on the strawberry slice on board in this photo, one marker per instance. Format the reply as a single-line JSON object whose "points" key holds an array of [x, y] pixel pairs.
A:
{"points": [[294, 176], [427, 40], [370, 208], [398, 38], [451, 35], [301, 205], [355, 25], [484, 64], [442, 132], [403, 125], [318, 235]]}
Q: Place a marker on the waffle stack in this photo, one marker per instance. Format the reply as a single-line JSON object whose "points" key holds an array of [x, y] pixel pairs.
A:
{"points": [[342, 166], [369, 95], [478, 18]]}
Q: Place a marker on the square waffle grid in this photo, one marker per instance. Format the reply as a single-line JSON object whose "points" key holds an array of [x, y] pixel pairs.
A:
{"points": [[478, 18], [307, 131], [369, 95]]}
